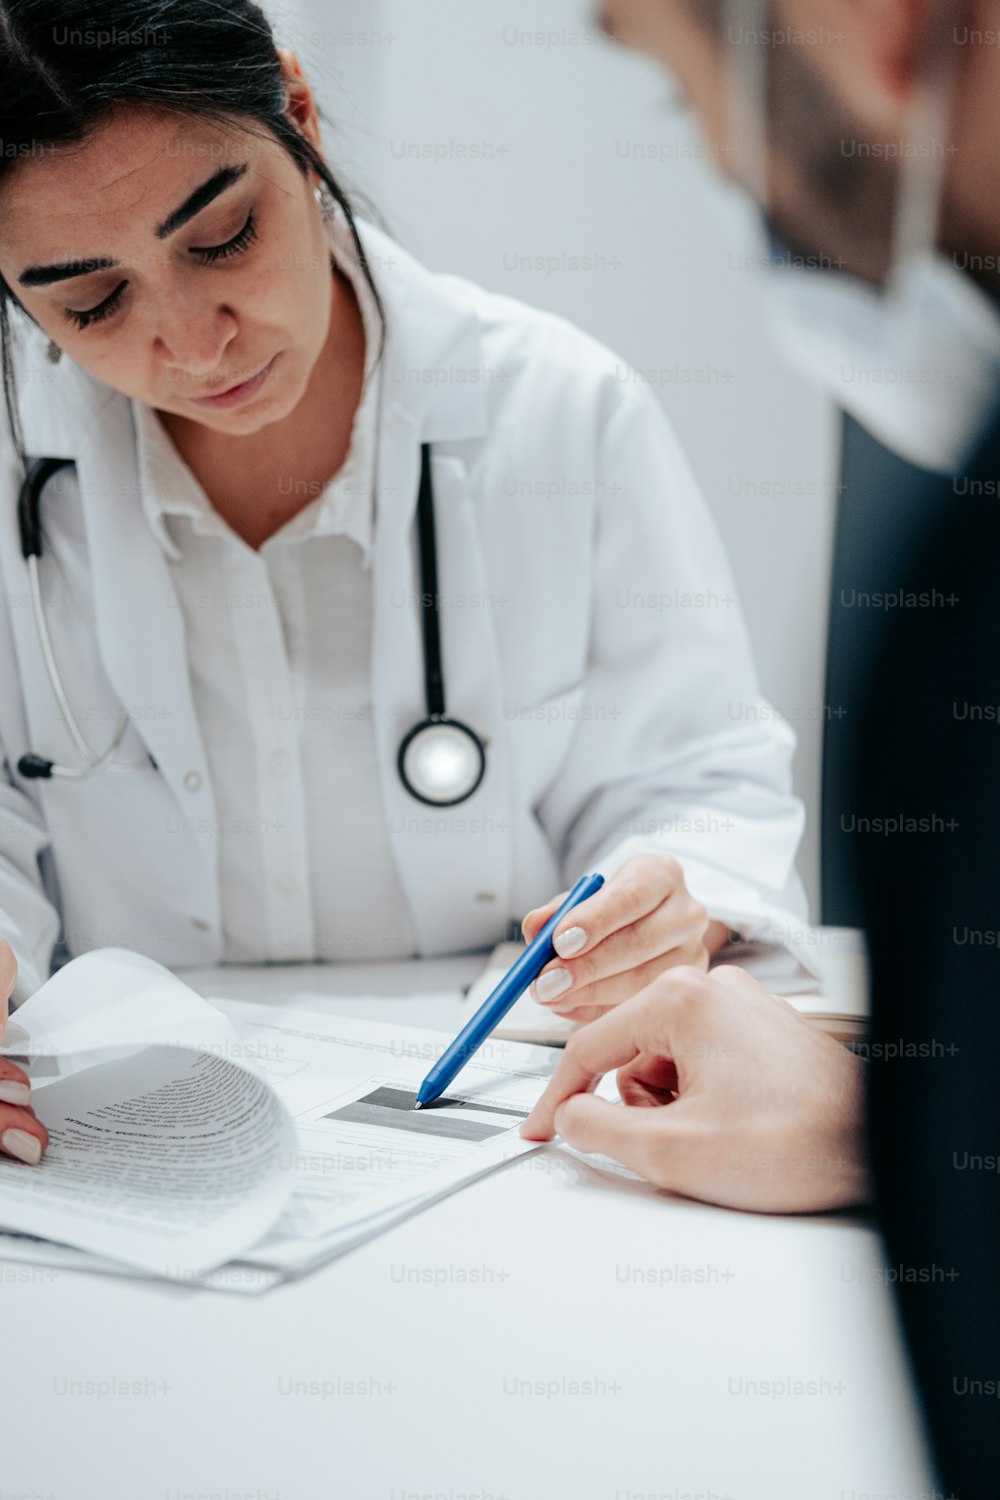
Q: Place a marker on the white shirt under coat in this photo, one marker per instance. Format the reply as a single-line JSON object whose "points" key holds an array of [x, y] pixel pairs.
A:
{"points": [[279, 649]]}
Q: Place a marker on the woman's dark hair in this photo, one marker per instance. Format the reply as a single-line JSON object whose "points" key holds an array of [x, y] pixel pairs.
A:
{"points": [[65, 65]]}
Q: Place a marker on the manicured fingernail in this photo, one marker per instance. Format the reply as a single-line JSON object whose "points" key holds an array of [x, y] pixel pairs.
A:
{"points": [[552, 984], [14, 1093], [24, 1146], [570, 941]]}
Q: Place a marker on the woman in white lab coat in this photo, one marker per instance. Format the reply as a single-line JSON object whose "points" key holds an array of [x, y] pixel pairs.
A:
{"points": [[240, 574]]}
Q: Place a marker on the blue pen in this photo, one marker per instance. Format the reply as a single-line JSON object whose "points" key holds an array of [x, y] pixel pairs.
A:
{"points": [[511, 987]]}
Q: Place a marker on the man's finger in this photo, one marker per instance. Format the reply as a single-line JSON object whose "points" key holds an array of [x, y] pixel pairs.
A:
{"points": [[607, 1043], [643, 1024], [644, 1140], [648, 1081]]}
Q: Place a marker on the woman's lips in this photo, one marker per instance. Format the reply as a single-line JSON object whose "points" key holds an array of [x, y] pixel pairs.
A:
{"points": [[237, 394]]}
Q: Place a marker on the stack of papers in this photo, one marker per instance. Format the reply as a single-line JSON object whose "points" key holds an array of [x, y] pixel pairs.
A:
{"points": [[227, 1145]]}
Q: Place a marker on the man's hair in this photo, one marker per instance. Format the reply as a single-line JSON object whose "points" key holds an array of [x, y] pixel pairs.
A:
{"points": [[810, 127]]}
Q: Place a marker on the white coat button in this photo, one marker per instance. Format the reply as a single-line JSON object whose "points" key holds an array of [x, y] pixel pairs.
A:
{"points": [[192, 781], [280, 762], [287, 885]]}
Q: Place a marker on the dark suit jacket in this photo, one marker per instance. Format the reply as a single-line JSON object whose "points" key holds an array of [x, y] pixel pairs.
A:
{"points": [[913, 816]]}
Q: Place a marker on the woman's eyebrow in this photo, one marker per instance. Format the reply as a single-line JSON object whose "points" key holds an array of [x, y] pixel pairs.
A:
{"points": [[216, 184], [193, 204]]}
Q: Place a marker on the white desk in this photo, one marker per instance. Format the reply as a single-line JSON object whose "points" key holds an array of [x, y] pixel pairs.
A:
{"points": [[444, 1353]]}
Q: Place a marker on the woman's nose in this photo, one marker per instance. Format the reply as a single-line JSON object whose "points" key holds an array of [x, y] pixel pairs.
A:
{"points": [[193, 343]]}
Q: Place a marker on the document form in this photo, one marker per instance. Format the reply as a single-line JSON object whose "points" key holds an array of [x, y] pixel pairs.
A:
{"points": [[187, 1135]]}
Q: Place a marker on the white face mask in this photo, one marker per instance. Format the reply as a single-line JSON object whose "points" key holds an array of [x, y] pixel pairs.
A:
{"points": [[917, 364], [920, 367]]}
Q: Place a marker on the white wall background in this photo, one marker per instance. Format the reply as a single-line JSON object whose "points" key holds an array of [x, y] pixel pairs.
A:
{"points": [[580, 155]]}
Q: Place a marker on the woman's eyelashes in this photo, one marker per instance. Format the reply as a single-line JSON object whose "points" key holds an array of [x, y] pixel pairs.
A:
{"points": [[238, 243], [102, 310], [208, 255]]}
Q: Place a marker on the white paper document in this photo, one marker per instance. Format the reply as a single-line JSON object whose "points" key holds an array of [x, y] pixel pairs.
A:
{"points": [[364, 1155], [187, 1134]]}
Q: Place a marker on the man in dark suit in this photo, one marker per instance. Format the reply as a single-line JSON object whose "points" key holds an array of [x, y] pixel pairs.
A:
{"points": [[763, 1112], [927, 749]]}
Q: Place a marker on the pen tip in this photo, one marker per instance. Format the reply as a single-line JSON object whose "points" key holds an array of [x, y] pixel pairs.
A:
{"points": [[418, 1105]]}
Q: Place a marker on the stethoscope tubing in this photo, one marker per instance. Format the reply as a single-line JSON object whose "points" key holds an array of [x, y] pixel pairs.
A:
{"points": [[36, 766], [93, 765]]}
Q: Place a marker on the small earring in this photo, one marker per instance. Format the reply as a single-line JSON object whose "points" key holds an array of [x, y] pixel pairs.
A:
{"points": [[326, 201], [53, 353]]}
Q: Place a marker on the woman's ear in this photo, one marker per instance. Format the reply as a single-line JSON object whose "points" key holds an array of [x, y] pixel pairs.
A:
{"points": [[300, 105]]}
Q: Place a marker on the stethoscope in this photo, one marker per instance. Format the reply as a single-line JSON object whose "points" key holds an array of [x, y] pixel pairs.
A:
{"points": [[441, 761]]}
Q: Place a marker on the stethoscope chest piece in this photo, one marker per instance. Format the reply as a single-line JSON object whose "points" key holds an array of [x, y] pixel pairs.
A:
{"points": [[441, 762]]}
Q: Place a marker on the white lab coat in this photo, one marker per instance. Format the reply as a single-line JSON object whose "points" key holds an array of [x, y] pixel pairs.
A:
{"points": [[590, 635]]}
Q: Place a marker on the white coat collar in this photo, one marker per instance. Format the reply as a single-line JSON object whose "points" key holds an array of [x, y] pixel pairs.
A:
{"points": [[434, 373]]}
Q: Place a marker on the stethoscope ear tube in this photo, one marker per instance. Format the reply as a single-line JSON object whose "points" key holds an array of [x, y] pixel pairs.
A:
{"points": [[35, 767], [29, 502]]}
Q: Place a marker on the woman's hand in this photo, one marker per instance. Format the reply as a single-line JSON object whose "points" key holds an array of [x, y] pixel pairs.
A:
{"points": [[729, 1095], [641, 922], [21, 1135]]}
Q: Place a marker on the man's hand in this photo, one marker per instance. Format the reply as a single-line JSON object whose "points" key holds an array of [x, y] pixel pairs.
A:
{"points": [[729, 1096], [643, 921], [21, 1135]]}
